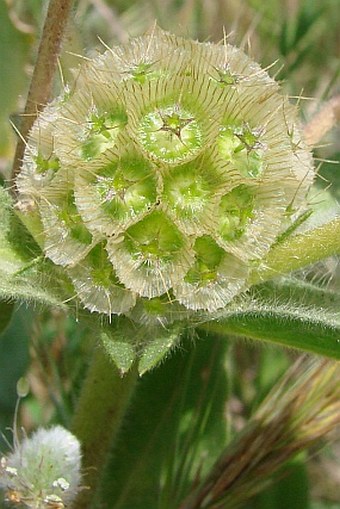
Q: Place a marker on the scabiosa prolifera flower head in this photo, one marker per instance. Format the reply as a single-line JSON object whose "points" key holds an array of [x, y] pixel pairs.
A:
{"points": [[164, 174], [42, 471]]}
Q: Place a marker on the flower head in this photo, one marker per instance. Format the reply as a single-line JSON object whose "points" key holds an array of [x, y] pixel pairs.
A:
{"points": [[166, 174], [43, 471]]}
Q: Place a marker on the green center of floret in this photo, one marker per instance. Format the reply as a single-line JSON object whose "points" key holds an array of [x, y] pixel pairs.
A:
{"points": [[126, 188], [143, 72], [187, 190], [154, 238], [170, 134], [43, 164], [72, 221], [208, 258], [101, 132], [236, 211], [241, 147], [225, 77]]}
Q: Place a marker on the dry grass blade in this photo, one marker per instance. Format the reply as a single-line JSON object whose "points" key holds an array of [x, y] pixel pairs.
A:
{"points": [[301, 409]]}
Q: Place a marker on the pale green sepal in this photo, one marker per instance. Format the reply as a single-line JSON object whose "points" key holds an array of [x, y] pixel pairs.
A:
{"points": [[157, 348], [120, 352], [126, 342]]}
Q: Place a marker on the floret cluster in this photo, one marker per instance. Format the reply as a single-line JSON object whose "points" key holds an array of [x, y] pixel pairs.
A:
{"points": [[164, 174]]}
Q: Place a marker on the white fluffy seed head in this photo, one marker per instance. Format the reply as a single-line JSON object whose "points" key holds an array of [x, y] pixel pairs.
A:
{"points": [[43, 471], [168, 173]]}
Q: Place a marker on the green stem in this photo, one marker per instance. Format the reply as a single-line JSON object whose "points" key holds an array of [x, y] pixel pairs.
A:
{"points": [[300, 251], [102, 405], [42, 79]]}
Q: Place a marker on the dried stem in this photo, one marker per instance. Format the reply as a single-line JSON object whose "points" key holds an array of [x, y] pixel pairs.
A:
{"points": [[42, 79], [303, 407]]}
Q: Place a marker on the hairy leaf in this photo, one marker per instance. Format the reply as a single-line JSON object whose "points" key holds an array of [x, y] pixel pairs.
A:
{"points": [[23, 273], [288, 312], [29, 288]]}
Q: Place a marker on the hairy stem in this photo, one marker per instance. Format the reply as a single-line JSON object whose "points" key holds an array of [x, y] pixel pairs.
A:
{"points": [[102, 405], [301, 250], [42, 79]]}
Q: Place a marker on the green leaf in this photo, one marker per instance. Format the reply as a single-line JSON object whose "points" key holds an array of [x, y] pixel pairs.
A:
{"points": [[175, 431], [288, 312], [24, 274], [33, 284]]}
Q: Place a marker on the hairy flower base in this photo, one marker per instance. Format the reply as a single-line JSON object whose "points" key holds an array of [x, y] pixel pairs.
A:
{"points": [[167, 173]]}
